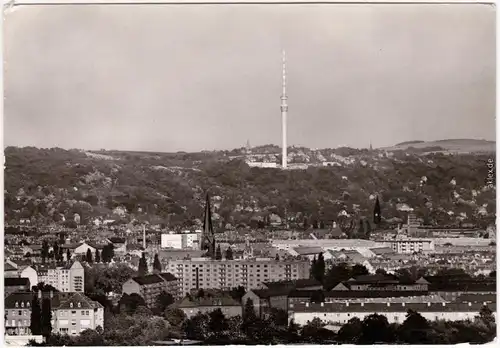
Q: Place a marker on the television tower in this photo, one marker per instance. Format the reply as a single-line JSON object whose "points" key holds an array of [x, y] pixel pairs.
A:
{"points": [[284, 110]]}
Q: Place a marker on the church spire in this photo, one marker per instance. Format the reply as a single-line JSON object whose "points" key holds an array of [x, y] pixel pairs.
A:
{"points": [[207, 240]]}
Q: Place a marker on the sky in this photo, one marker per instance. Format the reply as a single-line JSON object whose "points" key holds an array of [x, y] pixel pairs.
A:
{"points": [[190, 78]]}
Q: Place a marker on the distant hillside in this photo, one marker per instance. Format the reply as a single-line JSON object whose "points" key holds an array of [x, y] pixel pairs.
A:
{"points": [[451, 145], [51, 185]]}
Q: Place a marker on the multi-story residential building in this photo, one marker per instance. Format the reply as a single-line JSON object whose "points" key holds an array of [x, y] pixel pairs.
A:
{"points": [[69, 278], [204, 273], [410, 245], [72, 313], [150, 286], [341, 313], [16, 284]]}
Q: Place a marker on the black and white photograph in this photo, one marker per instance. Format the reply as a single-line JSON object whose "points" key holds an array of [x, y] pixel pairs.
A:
{"points": [[251, 173]]}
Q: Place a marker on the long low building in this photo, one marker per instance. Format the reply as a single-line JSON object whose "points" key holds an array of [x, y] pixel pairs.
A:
{"points": [[395, 312]]}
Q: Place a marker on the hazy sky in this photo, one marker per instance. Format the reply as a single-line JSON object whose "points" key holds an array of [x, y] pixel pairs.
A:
{"points": [[170, 78]]}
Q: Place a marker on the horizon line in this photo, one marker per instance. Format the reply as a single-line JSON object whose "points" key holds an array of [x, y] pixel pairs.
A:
{"points": [[243, 147]]}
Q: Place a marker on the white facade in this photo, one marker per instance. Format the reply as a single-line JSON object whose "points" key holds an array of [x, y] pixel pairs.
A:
{"points": [[184, 240], [409, 246], [262, 164], [201, 273], [64, 279], [30, 273], [189, 240], [171, 241], [392, 316], [82, 249]]}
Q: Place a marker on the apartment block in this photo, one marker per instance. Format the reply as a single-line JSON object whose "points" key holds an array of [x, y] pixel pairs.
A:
{"points": [[69, 278], [204, 273], [150, 286]]}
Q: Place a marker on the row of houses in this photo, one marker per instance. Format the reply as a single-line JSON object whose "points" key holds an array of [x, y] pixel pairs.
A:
{"points": [[72, 312]]}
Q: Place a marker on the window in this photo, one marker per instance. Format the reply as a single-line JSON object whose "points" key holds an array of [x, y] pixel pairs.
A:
{"points": [[64, 330], [79, 305], [27, 304], [22, 304], [17, 304], [19, 312], [73, 313], [83, 312], [86, 312], [71, 305]]}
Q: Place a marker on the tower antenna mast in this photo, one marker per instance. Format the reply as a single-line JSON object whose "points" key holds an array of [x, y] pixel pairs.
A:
{"points": [[284, 110]]}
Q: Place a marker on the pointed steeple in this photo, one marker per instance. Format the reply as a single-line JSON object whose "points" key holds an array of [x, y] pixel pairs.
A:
{"points": [[207, 240]]}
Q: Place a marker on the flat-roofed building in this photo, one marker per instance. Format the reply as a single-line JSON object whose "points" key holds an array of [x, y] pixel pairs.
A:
{"points": [[205, 273]]}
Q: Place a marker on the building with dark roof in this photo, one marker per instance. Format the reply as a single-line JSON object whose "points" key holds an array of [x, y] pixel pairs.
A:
{"points": [[151, 285], [16, 284], [192, 305], [266, 299], [72, 312]]}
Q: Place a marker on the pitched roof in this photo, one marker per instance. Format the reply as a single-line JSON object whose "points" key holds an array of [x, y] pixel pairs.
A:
{"points": [[382, 250], [117, 240], [16, 282], [296, 284], [79, 301], [266, 293], [392, 307], [148, 279], [305, 250], [168, 276], [8, 267], [374, 278]]}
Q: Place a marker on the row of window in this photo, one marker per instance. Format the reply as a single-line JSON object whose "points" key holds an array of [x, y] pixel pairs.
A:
{"points": [[73, 313]]}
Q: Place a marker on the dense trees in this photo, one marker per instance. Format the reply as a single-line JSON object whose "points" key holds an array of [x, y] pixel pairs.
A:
{"points": [[163, 300], [140, 327], [36, 316], [318, 268], [229, 253], [157, 264], [143, 265], [46, 317], [218, 253], [319, 194]]}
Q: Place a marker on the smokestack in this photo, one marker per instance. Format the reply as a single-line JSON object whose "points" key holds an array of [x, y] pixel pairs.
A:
{"points": [[144, 237], [284, 110]]}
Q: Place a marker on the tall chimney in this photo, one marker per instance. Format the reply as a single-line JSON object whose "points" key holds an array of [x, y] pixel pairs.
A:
{"points": [[144, 237], [284, 110]]}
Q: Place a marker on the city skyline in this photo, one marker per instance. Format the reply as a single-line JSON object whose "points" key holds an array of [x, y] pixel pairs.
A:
{"points": [[110, 82]]}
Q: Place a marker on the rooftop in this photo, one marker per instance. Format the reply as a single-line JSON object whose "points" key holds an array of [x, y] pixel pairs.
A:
{"points": [[16, 282], [388, 307]]}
